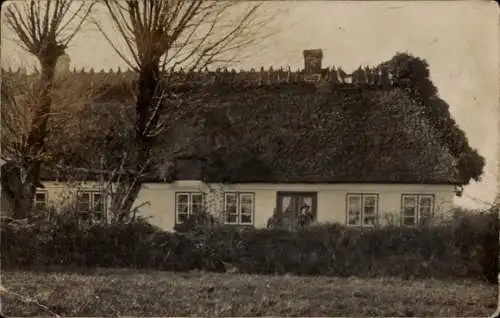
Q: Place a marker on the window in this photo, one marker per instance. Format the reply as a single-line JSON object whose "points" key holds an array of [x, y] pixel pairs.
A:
{"points": [[238, 208], [416, 209], [187, 203], [362, 209], [91, 206], [40, 203]]}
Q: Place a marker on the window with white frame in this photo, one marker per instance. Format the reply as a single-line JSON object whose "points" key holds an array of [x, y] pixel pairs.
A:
{"points": [[187, 203], [362, 209], [416, 209], [239, 208], [91, 206], [40, 203]]}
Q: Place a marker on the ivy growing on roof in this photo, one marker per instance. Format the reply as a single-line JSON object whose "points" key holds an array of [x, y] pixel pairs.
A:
{"points": [[412, 75]]}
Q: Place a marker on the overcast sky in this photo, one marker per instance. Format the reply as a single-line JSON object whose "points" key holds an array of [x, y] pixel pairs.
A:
{"points": [[460, 41]]}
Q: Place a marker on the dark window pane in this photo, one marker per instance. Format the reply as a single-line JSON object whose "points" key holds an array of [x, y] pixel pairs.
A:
{"points": [[425, 212], [426, 201], [246, 218], [370, 201], [231, 208], [409, 201], [181, 218], [353, 220], [409, 212], [197, 199], [40, 197], [246, 199], [99, 203], [84, 197], [83, 207], [231, 199], [99, 207], [354, 210], [409, 221], [197, 208], [84, 216], [182, 203], [183, 199], [98, 198], [246, 209], [231, 218], [369, 220], [369, 211], [425, 220]]}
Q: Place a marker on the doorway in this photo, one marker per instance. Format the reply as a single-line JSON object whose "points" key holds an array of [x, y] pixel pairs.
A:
{"points": [[290, 204]]}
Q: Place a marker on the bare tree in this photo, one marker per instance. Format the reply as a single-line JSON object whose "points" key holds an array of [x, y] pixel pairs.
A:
{"points": [[20, 99], [161, 37], [44, 29]]}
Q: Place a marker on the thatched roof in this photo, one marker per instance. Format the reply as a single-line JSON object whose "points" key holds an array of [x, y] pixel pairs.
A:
{"points": [[283, 128], [294, 134]]}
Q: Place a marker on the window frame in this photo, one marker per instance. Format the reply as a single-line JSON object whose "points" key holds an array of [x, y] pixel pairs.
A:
{"points": [[239, 195], [92, 213], [104, 204], [45, 200], [190, 204], [418, 207], [362, 197]]}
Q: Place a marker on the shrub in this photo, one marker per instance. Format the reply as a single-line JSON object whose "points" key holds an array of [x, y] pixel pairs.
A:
{"points": [[197, 221], [490, 244], [465, 247]]}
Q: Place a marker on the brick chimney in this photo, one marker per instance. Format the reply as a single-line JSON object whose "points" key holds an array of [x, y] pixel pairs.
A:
{"points": [[312, 61]]}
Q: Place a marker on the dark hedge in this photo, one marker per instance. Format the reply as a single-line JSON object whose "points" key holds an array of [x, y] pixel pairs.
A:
{"points": [[466, 247]]}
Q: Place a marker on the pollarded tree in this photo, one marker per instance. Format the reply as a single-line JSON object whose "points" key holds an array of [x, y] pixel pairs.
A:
{"points": [[161, 37], [43, 29], [67, 133]]}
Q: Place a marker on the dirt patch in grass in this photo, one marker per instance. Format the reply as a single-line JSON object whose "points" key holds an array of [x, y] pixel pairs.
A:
{"points": [[155, 293]]}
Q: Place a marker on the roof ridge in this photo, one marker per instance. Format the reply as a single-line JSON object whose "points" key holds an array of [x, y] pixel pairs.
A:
{"points": [[376, 75]]}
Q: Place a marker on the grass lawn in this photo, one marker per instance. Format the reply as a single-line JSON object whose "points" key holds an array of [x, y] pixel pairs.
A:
{"points": [[154, 293]]}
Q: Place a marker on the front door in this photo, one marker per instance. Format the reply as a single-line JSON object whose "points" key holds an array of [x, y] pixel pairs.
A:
{"points": [[290, 205]]}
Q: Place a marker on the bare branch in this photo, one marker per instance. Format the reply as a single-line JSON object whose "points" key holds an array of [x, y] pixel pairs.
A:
{"points": [[43, 26], [20, 99], [168, 34], [155, 30]]}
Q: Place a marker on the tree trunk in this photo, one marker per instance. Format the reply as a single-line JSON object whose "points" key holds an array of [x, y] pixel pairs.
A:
{"points": [[18, 186], [148, 81], [23, 201], [23, 191], [124, 198]]}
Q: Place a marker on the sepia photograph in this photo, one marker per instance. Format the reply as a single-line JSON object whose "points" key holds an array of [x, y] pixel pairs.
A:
{"points": [[173, 158]]}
